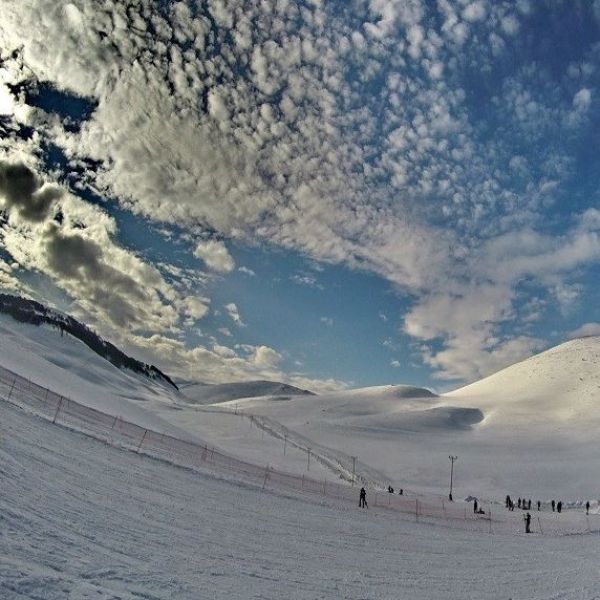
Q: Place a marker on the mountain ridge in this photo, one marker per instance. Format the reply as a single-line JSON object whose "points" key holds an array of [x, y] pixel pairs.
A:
{"points": [[32, 312]]}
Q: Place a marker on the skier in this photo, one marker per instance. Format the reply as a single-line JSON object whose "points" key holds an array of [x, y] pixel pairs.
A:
{"points": [[519, 503], [362, 501], [559, 506], [529, 504], [390, 489], [475, 506], [507, 501], [527, 523], [553, 505], [587, 507], [401, 492], [539, 504]]}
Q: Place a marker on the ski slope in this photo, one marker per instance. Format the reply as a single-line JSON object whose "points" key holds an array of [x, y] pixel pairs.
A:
{"points": [[81, 519], [529, 430]]}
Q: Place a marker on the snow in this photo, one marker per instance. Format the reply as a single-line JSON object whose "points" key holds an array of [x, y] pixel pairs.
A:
{"points": [[529, 431], [81, 519], [203, 393]]}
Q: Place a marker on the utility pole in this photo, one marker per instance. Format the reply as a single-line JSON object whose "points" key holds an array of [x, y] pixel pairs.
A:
{"points": [[452, 459]]}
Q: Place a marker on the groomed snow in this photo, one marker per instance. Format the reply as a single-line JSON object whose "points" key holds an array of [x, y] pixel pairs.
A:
{"points": [[81, 519]]}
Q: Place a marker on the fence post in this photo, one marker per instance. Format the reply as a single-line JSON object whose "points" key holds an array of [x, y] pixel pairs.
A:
{"points": [[12, 387], [57, 409], [142, 440]]}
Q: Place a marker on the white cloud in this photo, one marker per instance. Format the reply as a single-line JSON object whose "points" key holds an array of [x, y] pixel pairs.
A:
{"points": [[476, 11], [396, 364], [215, 255], [182, 135], [232, 311], [247, 271], [586, 330], [582, 100], [266, 357]]}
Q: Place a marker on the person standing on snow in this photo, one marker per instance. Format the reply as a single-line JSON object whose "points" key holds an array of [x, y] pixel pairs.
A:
{"points": [[527, 523], [362, 500], [587, 507], [553, 505]]}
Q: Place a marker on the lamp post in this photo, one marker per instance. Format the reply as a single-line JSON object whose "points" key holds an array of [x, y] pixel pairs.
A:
{"points": [[452, 459]]}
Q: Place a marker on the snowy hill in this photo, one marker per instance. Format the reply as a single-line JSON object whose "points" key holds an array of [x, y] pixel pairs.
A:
{"points": [[34, 313], [528, 430], [561, 386], [203, 393]]}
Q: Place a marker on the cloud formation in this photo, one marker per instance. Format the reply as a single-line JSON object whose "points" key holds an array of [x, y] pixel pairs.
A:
{"points": [[347, 133]]}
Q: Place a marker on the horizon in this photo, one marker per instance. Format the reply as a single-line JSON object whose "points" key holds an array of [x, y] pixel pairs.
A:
{"points": [[332, 195]]}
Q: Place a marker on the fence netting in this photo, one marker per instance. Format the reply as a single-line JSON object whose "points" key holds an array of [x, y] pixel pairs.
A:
{"points": [[115, 431]]}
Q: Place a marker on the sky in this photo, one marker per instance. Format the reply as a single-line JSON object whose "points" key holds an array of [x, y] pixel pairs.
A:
{"points": [[328, 193]]}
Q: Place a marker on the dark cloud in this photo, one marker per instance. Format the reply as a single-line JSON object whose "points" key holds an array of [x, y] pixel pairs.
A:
{"points": [[23, 191], [83, 261]]}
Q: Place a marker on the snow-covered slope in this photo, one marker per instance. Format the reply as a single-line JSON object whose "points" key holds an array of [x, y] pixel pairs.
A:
{"points": [[67, 366], [81, 519], [529, 430], [203, 393], [558, 387]]}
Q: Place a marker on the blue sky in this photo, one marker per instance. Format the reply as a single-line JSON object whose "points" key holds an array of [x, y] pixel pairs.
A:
{"points": [[327, 193]]}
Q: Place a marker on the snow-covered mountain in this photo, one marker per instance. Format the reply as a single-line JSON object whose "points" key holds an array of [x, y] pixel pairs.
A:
{"points": [[559, 386], [204, 393]]}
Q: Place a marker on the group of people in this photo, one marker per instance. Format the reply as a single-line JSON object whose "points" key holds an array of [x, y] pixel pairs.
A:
{"points": [[510, 505], [526, 505]]}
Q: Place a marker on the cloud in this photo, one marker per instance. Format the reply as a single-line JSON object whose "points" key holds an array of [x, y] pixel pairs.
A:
{"points": [[234, 315], [582, 100], [266, 357], [475, 11], [71, 242], [327, 321], [586, 330], [306, 280], [215, 255], [396, 364], [249, 122], [247, 271], [22, 191]]}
